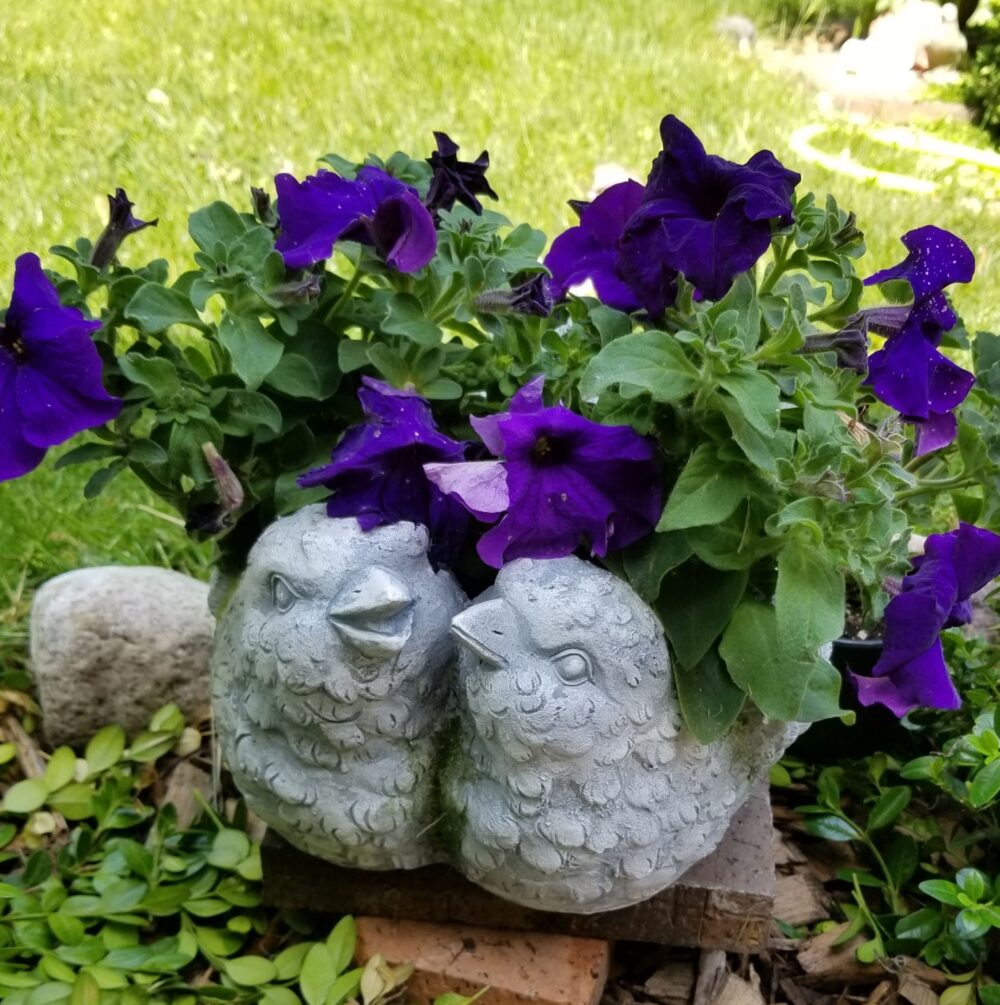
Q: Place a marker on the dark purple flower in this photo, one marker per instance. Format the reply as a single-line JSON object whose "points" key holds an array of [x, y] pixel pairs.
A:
{"points": [[376, 471], [374, 209], [705, 217], [50, 373], [121, 223], [457, 181], [562, 481], [263, 209], [850, 344], [590, 250], [911, 671], [909, 374]]}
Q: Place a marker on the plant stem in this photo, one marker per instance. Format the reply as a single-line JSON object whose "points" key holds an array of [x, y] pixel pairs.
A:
{"points": [[938, 485], [780, 262], [345, 294]]}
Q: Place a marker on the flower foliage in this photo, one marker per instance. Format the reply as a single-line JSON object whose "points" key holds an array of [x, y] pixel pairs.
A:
{"points": [[563, 480], [715, 432]]}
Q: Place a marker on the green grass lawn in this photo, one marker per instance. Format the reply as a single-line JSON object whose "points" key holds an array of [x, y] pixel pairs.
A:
{"points": [[183, 101]]}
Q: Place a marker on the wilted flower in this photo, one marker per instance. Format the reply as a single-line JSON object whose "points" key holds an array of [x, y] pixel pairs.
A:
{"points": [[374, 209], [376, 471], [706, 217], [530, 297], [121, 223], [263, 209], [590, 250], [50, 373], [911, 671], [850, 344], [454, 180], [909, 374], [562, 481], [212, 518]]}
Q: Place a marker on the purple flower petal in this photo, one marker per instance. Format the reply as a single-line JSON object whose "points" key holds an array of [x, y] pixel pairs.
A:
{"points": [[481, 486], [454, 180], [705, 217], [938, 430], [937, 258], [590, 250], [375, 209], [50, 372], [925, 683], [376, 471]]}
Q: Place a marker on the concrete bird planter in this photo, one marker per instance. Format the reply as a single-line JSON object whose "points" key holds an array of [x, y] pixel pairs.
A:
{"points": [[377, 719]]}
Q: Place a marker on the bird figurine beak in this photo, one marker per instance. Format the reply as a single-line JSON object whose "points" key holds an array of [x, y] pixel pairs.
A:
{"points": [[374, 614], [485, 629]]}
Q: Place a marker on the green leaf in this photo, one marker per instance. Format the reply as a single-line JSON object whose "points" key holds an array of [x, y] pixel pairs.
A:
{"points": [[762, 449], [245, 412], [783, 686], [296, 377], [757, 397], [25, 796], [889, 805], [985, 785], [275, 995], [317, 975], [85, 453], [345, 986], [989, 994], [942, 890], [229, 848], [154, 308], [647, 562], [709, 699], [406, 317], [645, 361], [341, 942], [972, 883], [66, 928], [352, 354], [86, 990], [254, 351], [809, 597], [74, 801], [157, 374], [289, 961], [706, 492], [218, 223], [695, 605], [832, 828], [105, 749], [250, 971], [60, 769], [923, 925]]}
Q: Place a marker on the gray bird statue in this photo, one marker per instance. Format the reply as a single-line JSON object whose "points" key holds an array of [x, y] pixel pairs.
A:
{"points": [[333, 665], [573, 785]]}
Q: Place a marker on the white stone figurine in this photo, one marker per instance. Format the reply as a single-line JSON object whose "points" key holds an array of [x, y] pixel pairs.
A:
{"points": [[574, 785], [331, 675], [550, 765]]}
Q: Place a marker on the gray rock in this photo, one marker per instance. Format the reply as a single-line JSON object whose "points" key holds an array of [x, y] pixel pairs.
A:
{"points": [[114, 643], [739, 30]]}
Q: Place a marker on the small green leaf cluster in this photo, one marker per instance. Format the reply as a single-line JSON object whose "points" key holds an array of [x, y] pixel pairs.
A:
{"points": [[105, 899]]}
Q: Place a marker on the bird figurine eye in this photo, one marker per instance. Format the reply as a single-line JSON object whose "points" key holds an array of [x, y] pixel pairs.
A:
{"points": [[573, 667], [282, 595]]}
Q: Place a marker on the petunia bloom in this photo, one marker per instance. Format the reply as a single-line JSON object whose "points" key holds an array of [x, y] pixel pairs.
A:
{"points": [[121, 223], [374, 209], [376, 471], [706, 217], [911, 671], [50, 373], [909, 374], [562, 481], [590, 250], [457, 181]]}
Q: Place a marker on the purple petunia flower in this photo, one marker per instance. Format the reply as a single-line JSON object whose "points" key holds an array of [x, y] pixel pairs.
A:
{"points": [[457, 181], [376, 471], [911, 671], [121, 223], [374, 209], [590, 250], [562, 480], [50, 373], [703, 216], [909, 374]]}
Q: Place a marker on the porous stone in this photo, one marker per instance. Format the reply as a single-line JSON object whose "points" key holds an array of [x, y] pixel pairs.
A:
{"points": [[529, 969], [114, 643]]}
